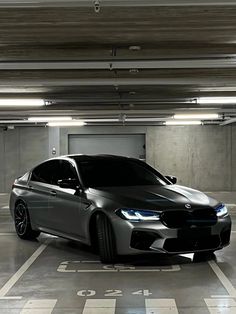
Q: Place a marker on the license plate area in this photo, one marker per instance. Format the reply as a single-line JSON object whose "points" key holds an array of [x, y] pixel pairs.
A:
{"points": [[194, 233]]}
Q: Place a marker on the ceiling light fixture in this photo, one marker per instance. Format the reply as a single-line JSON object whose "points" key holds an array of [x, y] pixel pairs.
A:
{"points": [[102, 120], [216, 100], [207, 116], [21, 102], [48, 119], [135, 48], [67, 123], [134, 71], [183, 122]]}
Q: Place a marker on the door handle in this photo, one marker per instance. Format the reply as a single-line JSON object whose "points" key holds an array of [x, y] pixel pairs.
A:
{"points": [[53, 193], [30, 187]]}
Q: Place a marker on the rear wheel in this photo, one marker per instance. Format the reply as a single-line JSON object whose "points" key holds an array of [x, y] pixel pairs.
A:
{"points": [[106, 239], [22, 223]]}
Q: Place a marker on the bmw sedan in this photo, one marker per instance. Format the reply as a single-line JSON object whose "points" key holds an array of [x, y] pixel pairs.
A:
{"points": [[118, 205]]}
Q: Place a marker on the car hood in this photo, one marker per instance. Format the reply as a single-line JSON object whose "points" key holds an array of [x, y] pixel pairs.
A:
{"points": [[156, 197]]}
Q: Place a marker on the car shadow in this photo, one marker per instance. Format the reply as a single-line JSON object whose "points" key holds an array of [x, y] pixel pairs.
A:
{"points": [[147, 259]]}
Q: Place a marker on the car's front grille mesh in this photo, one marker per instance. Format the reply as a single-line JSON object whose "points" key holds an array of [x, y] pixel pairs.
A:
{"points": [[184, 218]]}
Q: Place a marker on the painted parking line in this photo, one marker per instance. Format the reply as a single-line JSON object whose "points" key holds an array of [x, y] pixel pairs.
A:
{"points": [[108, 306], [100, 306], [39, 307], [7, 233], [77, 267], [221, 306], [12, 281], [161, 306], [5, 207], [224, 280]]}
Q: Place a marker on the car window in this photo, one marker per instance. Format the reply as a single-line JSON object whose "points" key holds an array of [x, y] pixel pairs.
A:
{"points": [[47, 172], [67, 171], [111, 172]]}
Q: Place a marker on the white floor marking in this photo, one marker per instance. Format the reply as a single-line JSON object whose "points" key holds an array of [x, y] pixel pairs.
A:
{"points": [[39, 307], [100, 306], [221, 306], [11, 282], [10, 298], [5, 207], [223, 279], [161, 306], [65, 267], [7, 234]]}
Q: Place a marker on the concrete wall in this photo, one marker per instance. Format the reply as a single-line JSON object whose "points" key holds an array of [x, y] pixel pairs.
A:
{"points": [[20, 150], [202, 157]]}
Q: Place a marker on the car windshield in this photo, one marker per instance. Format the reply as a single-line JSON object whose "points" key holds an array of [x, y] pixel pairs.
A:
{"points": [[108, 173]]}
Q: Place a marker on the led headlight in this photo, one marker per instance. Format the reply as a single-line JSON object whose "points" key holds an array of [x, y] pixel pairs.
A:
{"points": [[138, 214], [221, 210]]}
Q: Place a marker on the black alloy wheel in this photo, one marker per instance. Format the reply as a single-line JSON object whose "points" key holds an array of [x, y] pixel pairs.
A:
{"points": [[22, 223]]}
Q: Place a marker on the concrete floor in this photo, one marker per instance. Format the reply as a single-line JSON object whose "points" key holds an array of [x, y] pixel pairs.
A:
{"points": [[54, 275]]}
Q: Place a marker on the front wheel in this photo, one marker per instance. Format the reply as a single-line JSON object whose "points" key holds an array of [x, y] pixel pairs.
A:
{"points": [[22, 223], [106, 239]]}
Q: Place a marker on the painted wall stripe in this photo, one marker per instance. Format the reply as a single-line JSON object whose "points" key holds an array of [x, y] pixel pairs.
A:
{"points": [[223, 279], [39, 307], [161, 306], [100, 306], [221, 306], [11, 282]]}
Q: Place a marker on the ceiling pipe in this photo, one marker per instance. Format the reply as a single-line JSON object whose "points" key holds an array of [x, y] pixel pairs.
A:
{"points": [[229, 121], [35, 82], [120, 65], [112, 3]]}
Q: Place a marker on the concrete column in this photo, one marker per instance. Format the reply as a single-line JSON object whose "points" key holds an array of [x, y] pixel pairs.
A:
{"points": [[54, 142]]}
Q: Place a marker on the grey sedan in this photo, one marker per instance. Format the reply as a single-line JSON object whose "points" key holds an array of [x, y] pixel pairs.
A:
{"points": [[119, 205]]}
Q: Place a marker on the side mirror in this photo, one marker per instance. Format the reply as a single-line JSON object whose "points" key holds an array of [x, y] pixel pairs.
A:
{"points": [[172, 179], [68, 184]]}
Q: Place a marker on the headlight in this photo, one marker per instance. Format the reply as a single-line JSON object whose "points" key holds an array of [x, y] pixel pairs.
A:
{"points": [[138, 214], [221, 210]]}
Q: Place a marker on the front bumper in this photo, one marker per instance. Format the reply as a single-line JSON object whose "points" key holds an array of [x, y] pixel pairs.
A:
{"points": [[146, 237]]}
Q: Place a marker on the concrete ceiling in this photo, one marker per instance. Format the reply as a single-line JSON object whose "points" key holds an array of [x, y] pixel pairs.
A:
{"points": [[81, 62]]}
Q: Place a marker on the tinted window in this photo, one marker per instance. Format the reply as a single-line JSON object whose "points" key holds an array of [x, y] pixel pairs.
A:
{"points": [[47, 172], [67, 171], [112, 172]]}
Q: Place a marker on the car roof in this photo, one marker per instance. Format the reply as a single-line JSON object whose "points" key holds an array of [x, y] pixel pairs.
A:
{"points": [[95, 157]]}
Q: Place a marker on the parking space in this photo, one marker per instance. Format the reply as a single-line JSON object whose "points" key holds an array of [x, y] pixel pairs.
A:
{"points": [[54, 275], [114, 116]]}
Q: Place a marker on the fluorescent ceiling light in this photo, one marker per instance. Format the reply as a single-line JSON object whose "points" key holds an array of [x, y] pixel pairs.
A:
{"points": [[21, 102], [48, 119], [102, 120], [183, 122], [217, 100], [207, 116], [125, 120], [67, 123]]}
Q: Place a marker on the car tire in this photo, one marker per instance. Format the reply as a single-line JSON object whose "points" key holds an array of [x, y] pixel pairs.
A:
{"points": [[22, 223], [106, 239]]}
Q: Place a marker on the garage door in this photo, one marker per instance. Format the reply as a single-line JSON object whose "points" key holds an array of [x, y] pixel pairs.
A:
{"points": [[123, 145]]}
